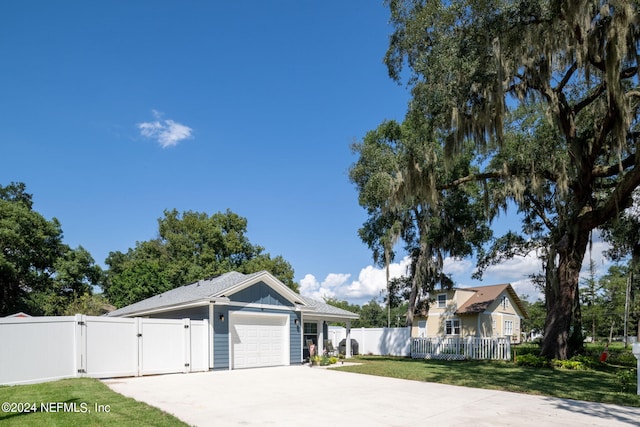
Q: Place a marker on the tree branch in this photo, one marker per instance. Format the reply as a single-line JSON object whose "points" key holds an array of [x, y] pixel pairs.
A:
{"points": [[589, 99], [616, 202], [539, 209], [470, 178], [611, 170], [567, 77]]}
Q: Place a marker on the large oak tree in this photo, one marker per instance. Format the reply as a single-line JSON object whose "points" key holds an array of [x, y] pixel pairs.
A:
{"points": [[573, 65]]}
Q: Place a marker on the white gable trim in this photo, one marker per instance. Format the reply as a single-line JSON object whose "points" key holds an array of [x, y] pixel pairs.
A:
{"points": [[180, 306], [271, 281]]}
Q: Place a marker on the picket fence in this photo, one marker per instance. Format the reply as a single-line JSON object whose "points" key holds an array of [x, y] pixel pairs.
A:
{"points": [[37, 349], [457, 348]]}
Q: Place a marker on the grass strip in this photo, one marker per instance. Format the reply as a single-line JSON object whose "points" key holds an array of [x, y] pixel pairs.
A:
{"points": [[76, 402], [600, 385]]}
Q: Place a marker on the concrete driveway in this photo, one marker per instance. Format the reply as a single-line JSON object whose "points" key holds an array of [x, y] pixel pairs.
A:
{"points": [[303, 396]]}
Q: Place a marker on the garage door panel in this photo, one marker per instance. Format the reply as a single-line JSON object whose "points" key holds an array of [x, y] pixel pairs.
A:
{"points": [[259, 341]]}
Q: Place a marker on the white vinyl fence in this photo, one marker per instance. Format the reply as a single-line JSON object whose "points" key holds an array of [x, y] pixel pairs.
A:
{"points": [[461, 348], [376, 341], [36, 349]]}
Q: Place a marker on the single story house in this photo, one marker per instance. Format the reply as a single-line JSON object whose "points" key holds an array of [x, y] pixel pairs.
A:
{"points": [[483, 311], [254, 320]]}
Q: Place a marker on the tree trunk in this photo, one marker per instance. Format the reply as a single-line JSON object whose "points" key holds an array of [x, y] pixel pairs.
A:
{"points": [[563, 324], [419, 277]]}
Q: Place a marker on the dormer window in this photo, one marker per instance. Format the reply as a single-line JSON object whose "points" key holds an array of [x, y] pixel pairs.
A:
{"points": [[442, 300]]}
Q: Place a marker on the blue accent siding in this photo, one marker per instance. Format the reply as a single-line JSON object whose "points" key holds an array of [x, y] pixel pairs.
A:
{"points": [[220, 337], [261, 293], [295, 339]]}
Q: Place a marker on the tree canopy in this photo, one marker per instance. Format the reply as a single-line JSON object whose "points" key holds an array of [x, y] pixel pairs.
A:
{"points": [[189, 247], [39, 274], [545, 91]]}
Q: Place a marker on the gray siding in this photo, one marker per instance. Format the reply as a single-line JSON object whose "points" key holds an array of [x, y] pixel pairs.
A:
{"points": [[261, 293], [193, 313]]}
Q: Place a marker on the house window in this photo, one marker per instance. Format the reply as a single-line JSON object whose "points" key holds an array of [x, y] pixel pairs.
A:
{"points": [[452, 327], [422, 328], [505, 302], [310, 333], [508, 327], [442, 300]]}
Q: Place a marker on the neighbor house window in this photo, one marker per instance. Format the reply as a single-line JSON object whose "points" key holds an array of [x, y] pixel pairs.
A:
{"points": [[422, 328], [505, 302], [508, 327], [442, 300], [452, 327]]}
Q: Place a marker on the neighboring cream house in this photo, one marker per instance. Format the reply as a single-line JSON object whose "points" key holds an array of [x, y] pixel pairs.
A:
{"points": [[485, 311]]}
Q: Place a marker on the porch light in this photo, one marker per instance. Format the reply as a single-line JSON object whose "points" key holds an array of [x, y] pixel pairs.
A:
{"points": [[222, 317], [297, 322]]}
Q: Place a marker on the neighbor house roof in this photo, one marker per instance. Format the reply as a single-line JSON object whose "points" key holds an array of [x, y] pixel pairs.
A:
{"points": [[218, 289], [484, 296]]}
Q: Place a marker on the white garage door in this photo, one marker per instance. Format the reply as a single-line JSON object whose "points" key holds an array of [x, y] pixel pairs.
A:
{"points": [[259, 340]]}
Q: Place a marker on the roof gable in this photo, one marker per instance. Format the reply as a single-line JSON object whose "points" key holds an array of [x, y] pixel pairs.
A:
{"points": [[261, 293], [485, 296]]}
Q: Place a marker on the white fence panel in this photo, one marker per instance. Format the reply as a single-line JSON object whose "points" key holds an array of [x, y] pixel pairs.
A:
{"points": [[111, 347], [37, 349], [199, 346], [376, 341]]}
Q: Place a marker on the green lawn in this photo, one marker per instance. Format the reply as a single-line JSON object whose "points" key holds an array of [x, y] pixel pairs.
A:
{"points": [[77, 402], [597, 385]]}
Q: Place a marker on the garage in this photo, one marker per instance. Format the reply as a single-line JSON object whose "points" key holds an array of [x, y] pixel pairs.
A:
{"points": [[258, 340]]}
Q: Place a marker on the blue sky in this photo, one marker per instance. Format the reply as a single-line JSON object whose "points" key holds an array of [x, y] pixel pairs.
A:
{"points": [[112, 112]]}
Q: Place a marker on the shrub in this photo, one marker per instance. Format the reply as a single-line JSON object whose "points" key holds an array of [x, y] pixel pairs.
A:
{"points": [[333, 360], [624, 358], [625, 379], [571, 364], [531, 360], [576, 363]]}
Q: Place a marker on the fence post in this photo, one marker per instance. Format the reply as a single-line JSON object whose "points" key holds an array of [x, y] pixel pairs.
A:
{"points": [[80, 330], [636, 353], [187, 345], [140, 368]]}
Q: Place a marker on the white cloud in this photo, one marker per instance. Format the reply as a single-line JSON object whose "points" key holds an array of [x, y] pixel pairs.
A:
{"points": [[526, 288], [455, 266], [514, 269], [371, 281], [166, 132]]}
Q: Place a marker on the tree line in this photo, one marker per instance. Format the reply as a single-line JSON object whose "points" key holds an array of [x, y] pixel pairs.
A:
{"points": [[41, 275]]}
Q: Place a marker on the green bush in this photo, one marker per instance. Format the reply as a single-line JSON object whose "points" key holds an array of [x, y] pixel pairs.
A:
{"points": [[626, 379], [574, 364], [624, 358], [531, 360], [333, 360]]}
